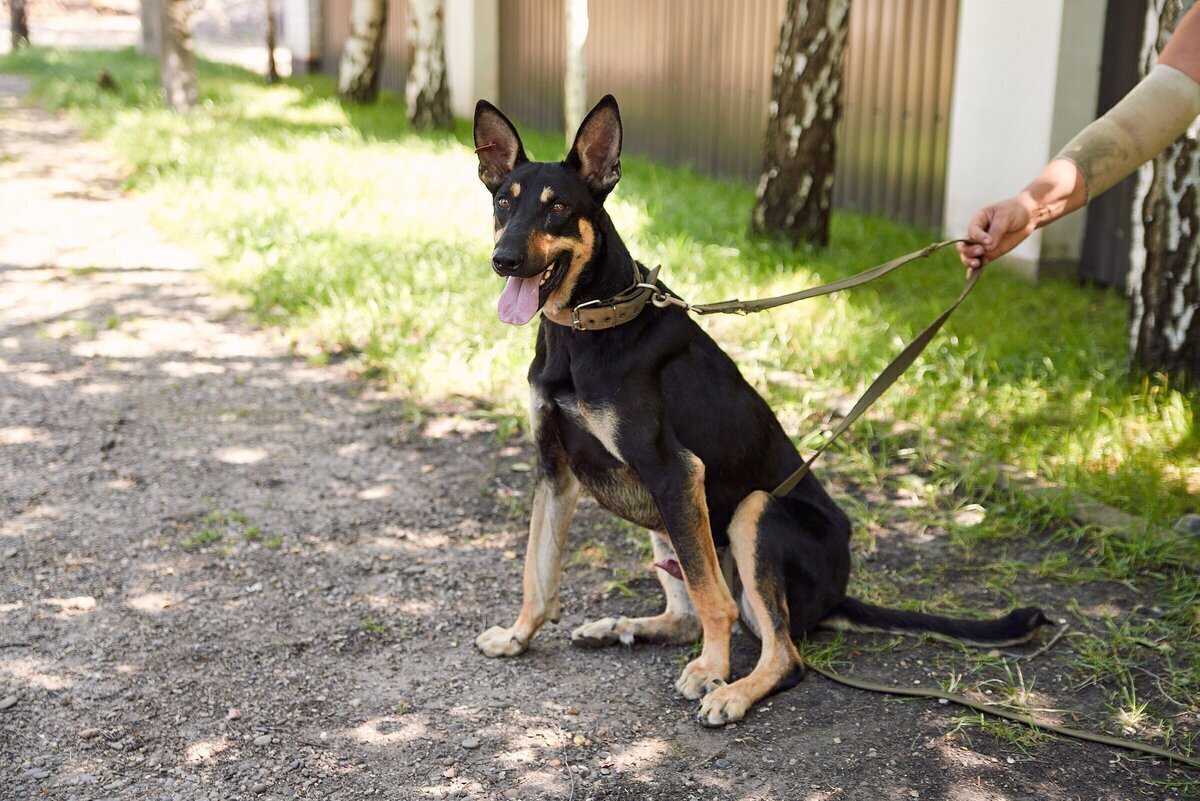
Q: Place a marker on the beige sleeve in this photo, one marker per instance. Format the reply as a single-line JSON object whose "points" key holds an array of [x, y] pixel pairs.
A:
{"points": [[1154, 114]]}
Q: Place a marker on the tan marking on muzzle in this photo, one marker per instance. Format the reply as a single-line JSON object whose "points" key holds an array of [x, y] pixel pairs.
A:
{"points": [[499, 233], [548, 248]]}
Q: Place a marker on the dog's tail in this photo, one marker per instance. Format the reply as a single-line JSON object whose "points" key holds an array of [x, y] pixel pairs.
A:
{"points": [[1016, 627]]}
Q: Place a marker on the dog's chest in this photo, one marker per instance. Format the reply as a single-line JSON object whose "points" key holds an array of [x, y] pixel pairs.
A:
{"points": [[591, 438]]}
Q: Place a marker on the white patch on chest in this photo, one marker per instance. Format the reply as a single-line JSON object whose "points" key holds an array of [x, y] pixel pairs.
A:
{"points": [[602, 423]]}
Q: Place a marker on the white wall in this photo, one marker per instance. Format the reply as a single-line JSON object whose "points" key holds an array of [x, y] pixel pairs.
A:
{"points": [[472, 53], [302, 31], [1081, 45], [1025, 81]]}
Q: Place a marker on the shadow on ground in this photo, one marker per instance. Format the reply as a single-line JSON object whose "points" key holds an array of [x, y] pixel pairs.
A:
{"points": [[226, 574]]}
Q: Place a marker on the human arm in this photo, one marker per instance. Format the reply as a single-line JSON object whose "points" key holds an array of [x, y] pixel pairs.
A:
{"points": [[1149, 118]]}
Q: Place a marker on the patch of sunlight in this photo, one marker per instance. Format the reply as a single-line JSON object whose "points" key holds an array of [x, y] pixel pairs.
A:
{"points": [[12, 607], [377, 601], [239, 455], [442, 426], [77, 605], [376, 493], [630, 217], [206, 750], [33, 672], [384, 731], [965, 792], [415, 607], [639, 757], [23, 435], [153, 602], [101, 388], [190, 369]]}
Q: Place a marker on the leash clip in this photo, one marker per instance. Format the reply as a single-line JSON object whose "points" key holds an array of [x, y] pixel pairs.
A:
{"points": [[662, 300]]}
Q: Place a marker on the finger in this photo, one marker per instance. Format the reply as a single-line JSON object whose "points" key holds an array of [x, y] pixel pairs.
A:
{"points": [[977, 228], [970, 261]]}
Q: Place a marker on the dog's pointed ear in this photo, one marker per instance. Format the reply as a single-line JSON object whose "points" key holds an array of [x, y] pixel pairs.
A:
{"points": [[497, 145], [596, 154]]}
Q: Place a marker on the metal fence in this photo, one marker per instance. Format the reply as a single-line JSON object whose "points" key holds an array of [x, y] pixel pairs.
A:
{"points": [[895, 134], [694, 79]]}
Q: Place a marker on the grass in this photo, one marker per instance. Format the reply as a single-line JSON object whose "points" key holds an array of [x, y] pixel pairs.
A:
{"points": [[369, 244], [216, 524]]}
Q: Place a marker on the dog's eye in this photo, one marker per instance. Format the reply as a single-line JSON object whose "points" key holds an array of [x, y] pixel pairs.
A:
{"points": [[504, 203], [558, 208]]}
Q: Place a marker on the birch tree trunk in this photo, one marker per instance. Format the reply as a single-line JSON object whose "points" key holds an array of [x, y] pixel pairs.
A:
{"points": [[575, 79], [272, 69], [362, 56], [1164, 272], [796, 187], [426, 94], [178, 65], [18, 23]]}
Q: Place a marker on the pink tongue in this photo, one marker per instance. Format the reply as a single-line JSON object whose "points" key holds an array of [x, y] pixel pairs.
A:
{"points": [[519, 300]]}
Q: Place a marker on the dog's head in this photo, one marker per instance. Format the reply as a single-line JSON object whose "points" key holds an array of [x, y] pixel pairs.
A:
{"points": [[545, 212]]}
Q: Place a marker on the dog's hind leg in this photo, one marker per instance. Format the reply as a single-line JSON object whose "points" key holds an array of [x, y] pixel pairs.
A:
{"points": [[755, 538], [676, 625]]}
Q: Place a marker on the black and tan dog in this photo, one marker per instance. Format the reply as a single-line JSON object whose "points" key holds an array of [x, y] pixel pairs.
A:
{"points": [[648, 414]]}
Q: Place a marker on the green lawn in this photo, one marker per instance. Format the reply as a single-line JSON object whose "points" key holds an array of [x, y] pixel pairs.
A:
{"points": [[371, 242]]}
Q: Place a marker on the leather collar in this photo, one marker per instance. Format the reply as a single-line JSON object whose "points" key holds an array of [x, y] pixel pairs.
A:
{"points": [[596, 315]]}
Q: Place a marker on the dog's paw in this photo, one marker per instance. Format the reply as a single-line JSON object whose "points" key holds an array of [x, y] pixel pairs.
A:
{"points": [[599, 633], [701, 677], [500, 641], [724, 705]]}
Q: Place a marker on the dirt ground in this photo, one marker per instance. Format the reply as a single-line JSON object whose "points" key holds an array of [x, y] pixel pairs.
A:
{"points": [[225, 574]]}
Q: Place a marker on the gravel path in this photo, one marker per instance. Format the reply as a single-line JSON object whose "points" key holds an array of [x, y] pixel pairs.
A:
{"points": [[225, 574]]}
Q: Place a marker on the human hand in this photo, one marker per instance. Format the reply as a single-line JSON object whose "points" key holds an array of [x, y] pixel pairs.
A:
{"points": [[996, 229]]}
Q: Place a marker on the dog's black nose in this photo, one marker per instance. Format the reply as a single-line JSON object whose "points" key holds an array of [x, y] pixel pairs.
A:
{"points": [[507, 262]]}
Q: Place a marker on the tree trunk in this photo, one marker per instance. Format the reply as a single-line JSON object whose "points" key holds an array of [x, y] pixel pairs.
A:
{"points": [[575, 80], [427, 94], [19, 24], [272, 70], [1164, 273], [362, 56], [796, 187], [178, 65]]}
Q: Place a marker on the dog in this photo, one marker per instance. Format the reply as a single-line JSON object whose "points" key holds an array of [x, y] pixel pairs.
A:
{"points": [[635, 403]]}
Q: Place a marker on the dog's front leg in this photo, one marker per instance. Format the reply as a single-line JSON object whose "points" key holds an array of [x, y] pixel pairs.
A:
{"points": [[681, 500], [554, 501]]}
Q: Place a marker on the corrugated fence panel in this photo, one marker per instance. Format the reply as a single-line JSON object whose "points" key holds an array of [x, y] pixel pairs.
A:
{"points": [[694, 82], [693, 78], [395, 45], [895, 129], [532, 62], [336, 28]]}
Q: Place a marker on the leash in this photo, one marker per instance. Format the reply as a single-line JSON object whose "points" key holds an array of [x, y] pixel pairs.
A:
{"points": [[885, 379], [881, 384], [1000, 712]]}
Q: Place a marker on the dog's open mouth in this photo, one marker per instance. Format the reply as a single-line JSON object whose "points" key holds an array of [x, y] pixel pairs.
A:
{"points": [[522, 297]]}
